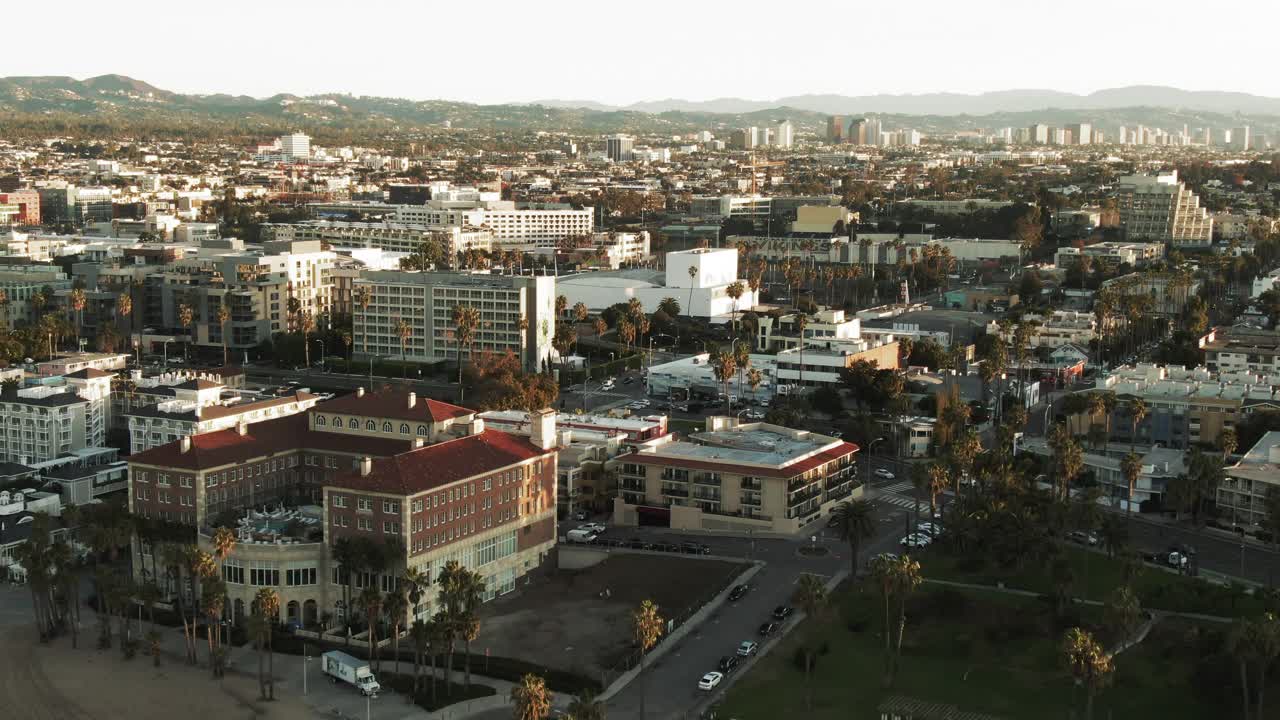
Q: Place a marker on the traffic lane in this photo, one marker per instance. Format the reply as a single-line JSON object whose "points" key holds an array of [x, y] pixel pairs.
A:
{"points": [[671, 686], [1222, 555]]}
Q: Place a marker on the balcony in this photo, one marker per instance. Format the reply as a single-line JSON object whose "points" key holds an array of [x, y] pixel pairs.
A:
{"points": [[752, 499], [713, 496], [675, 491], [675, 475], [628, 484], [803, 496], [751, 484], [712, 479], [841, 493]]}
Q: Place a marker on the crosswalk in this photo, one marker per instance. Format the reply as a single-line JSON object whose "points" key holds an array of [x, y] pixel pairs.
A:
{"points": [[897, 487], [897, 500]]}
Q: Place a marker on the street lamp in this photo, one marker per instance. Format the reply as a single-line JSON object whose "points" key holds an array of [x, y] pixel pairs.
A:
{"points": [[321, 354], [869, 446], [166, 352]]}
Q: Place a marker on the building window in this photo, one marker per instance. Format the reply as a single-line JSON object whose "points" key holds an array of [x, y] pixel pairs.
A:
{"points": [[390, 507], [353, 424], [386, 427], [320, 422], [370, 425], [364, 524], [339, 501], [422, 430], [404, 428], [364, 504]]}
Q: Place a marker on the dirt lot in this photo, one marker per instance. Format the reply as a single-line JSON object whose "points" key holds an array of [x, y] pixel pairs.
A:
{"points": [[561, 620], [54, 682]]}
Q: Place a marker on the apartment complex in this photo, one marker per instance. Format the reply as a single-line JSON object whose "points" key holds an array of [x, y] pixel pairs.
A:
{"points": [[1160, 208], [1242, 494], [199, 408], [512, 227], [1186, 407], [1057, 329], [517, 313], [394, 237], [20, 283], [735, 477], [42, 423], [1242, 349], [1169, 292], [1159, 468], [1111, 254], [427, 476]]}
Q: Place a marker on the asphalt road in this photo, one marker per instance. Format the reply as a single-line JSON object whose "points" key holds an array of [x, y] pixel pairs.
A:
{"points": [[1218, 553]]}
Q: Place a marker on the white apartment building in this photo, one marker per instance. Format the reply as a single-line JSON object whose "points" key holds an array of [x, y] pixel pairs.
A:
{"points": [[1168, 296], [1059, 328], [975, 250], [1238, 349], [1242, 494], [1135, 254], [198, 407], [1160, 208], [390, 236], [512, 228], [825, 325], [44, 422], [611, 250], [425, 301], [702, 294]]}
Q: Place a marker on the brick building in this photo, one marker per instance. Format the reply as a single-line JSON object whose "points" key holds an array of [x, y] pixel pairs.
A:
{"points": [[387, 466]]}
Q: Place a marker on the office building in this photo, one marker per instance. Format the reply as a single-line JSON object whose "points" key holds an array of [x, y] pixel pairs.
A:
{"points": [[1081, 133], [389, 236], [1111, 254], [517, 314], [296, 146], [783, 135], [618, 148], [735, 477], [835, 129], [1160, 208], [1039, 134], [1240, 139], [27, 202]]}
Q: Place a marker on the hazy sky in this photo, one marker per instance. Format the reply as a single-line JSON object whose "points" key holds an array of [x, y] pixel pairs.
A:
{"points": [[621, 52]]}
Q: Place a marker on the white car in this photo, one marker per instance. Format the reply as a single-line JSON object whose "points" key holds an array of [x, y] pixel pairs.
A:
{"points": [[916, 540], [747, 648], [592, 527], [755, 415], [882, 473], [710, 680], [930, 529]]}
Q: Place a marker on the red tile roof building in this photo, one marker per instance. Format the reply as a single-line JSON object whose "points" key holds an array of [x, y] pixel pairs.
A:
{"points": [[424, 476]]}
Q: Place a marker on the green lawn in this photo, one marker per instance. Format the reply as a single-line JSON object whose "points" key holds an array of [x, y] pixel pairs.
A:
{"points": [[1096, 576], [982, 651]]}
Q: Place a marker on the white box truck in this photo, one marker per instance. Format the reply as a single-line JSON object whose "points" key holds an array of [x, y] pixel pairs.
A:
{"points": [[341, 666]]}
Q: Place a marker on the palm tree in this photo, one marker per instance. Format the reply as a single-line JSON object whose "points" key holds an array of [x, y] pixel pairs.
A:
{"points": [[1255, 642], [396, 606], [1137, 411], [883, 575], [124, 306], [531, 698], [186, 316], [267, 602], [371, 601], [1097, 405], [224, 317], [466, 320], [259, 628], [735, 291], [420, 635], [811, 596], [586, 707], [580, 312], [754, 379], [856, 521], [346, 555], [693, 273], [404, 331], [906, 578], [647, 625], [77, 301], [1131, 469], [802, 322], [670, 307], [1229, 441], [562, 303], [306, 326], [1088, 663], [213, 594], [1114, 534], [470, 591]]}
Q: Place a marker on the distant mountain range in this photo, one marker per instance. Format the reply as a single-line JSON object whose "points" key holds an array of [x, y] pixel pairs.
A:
{"points": [[1153, 96], [113, 105]]}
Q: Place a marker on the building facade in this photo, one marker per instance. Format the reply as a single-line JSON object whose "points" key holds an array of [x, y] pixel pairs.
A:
{"points": [[1160, 208]]}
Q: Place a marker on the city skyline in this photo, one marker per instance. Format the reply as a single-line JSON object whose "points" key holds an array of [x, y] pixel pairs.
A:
{"points": [[521, 56]]}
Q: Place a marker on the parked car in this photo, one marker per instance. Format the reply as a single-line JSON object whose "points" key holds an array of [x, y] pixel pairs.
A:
{"points": [[628, 380], [728, 663], [933, 530], [1082, 537], [694, 548], [580, 515], [782, 612], [767, 629], [592, 527], [710, 681], [737, 592], [747, 648], [882, 473], [916, 540]]}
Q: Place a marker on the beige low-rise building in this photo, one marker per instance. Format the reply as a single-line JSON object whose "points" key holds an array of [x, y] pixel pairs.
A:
{"points": [[1242, 494]]}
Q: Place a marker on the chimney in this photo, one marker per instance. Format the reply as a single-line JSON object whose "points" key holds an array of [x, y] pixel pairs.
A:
{"points": [[360, 392], [242, 427], [186, 444], [476, 426], [413, 399], [366, 465], [542, 428]]}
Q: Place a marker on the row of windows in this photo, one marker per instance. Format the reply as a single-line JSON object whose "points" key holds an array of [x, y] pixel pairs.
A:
{"points": [[370, 425]]}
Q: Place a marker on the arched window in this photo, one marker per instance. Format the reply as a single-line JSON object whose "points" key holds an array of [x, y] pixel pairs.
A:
{"points": [[337, 421], [404, 428], [320, 421], [353, 424], [386, 427], [370, 425], [422, 430]]}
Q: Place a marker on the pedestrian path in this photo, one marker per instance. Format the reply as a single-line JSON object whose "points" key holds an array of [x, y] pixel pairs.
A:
{"points": [[897, 500], [898, 487]]}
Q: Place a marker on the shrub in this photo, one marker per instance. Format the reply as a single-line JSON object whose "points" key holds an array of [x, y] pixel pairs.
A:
{"points": [[446, 693]]}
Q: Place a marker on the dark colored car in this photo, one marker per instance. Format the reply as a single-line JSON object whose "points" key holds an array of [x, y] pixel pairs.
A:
{"points": [[768, 628], [728, 663], [737, 592], [694, 548], [782, 612], [628, 380]]}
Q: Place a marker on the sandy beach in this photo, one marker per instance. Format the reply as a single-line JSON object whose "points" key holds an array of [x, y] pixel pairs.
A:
{"points": [[55, 682]]}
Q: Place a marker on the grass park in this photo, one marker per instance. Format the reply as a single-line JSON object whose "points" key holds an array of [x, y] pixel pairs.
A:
{"points": [[999, 654]]}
